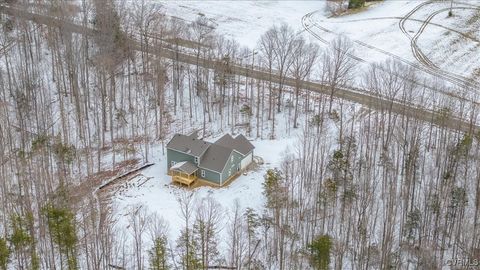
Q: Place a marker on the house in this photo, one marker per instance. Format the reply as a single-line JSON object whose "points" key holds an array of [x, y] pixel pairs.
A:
{"points": [[190, 158]]}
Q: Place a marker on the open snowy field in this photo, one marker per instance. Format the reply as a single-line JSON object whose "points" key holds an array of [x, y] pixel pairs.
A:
{"points": [[390, 29], [384, 30], [244, 21]]}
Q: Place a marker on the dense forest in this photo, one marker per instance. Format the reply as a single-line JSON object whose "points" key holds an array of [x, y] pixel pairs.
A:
{"points": [[88, 87]]}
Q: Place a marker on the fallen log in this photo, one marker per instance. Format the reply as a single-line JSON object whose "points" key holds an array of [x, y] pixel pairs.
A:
{"points": [[109, 182]]}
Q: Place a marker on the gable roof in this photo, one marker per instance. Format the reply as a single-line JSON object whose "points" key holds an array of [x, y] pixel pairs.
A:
{"points": [[215, 158], [184, 166], [188, 144], [240, 143]]}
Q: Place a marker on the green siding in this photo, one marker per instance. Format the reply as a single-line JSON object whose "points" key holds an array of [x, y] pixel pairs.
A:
{"points": [[176, 156], [211, 176], [232, 165], [173, 155]]}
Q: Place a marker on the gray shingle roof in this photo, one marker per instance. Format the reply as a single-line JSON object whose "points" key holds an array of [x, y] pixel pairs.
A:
{"points": [[240, 143], [184, 166], [188, 144], [215, 158]]}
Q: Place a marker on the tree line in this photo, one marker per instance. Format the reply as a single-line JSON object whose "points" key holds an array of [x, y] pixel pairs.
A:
{"points": [[363, 189]]}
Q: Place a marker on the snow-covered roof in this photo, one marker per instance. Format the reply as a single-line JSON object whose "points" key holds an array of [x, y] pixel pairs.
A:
{"points": [[185, 167]]}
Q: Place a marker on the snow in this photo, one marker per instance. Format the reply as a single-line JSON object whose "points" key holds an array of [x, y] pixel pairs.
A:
{"points": [[159, 195], [376, 26], [244, 21], [178, 165]]}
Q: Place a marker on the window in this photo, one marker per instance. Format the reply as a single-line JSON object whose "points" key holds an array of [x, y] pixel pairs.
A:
{"points": [[196, 160], [203, 173], [231, 158], [172, 163]]}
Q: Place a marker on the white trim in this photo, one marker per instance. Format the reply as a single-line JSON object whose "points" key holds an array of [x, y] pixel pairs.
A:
{"points": [[202, 173], [235, 150], [225, 166], [223, 169], [251, 151], [208, 169], [172, 163]]}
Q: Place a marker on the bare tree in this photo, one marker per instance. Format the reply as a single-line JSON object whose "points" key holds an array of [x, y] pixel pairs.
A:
{"points": [[284, 40], [304, 58], [236, 243], [206, 227], [338, 66], [186, 244], [139, 221]]}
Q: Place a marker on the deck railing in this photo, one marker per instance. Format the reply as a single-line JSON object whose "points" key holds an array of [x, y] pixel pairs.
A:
{"points": [[183, 178]]}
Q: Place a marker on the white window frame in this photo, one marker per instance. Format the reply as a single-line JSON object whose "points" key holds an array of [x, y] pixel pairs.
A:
{"points": [[172, 163], [231, 159], [196, 160], [202, 172]]}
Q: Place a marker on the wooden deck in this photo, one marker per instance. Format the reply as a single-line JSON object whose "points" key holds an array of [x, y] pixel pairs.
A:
{"points": [[182, 178], [193, 181]]}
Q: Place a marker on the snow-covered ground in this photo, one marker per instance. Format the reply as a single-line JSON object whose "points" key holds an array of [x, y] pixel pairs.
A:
{"points": [[244, 21], [377, 27], [377, 36], [158, 194], [449, 42]]}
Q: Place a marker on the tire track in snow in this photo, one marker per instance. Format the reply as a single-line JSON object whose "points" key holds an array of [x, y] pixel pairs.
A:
{"points": [[422, 58], [308, 23], [351, 94]]}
